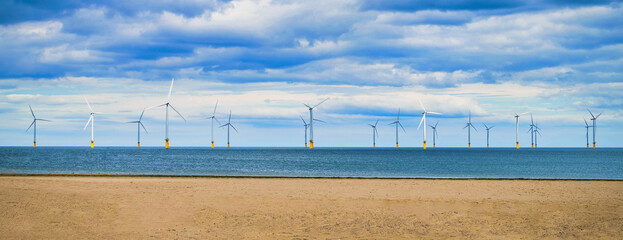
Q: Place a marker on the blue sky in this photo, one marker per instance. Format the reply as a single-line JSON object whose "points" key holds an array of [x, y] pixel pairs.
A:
{"points": [[263, 59]]}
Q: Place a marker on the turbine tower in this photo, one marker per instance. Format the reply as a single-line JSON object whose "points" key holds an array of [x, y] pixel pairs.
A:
{"points": [[536, 132], [594, 119], [397, 122], [306, 125], [212, 118], [34, 123], [139, 124], [311, 122], [469, 132], [91, 121], [374, 133], [434, 132], [228, 124], [166, 105], [488, 128], [587, 126], [424, 112], [531, 130], [517, 128]]}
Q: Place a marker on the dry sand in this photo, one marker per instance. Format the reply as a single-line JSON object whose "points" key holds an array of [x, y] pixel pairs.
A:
{"points": [[268, 208]]}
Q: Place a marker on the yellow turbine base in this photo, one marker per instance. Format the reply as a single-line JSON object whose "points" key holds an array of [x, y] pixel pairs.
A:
{"points": [[373, 145], [212, 144], [34, 144], [469, 145], [92, 144], [166, 143], [424, 144], [593, 145], [396, 145], [587, 147], [139, 144], [433, 145], [535, 146], [305, 144], [487, 145], [517, 145], [227, 145], [311, 144]]}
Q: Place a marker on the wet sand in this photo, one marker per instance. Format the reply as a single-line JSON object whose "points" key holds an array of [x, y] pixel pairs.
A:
{"points": [[87, 207]]}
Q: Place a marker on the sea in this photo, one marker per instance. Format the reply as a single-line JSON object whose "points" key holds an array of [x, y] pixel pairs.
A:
{"points": [[475, 163]]}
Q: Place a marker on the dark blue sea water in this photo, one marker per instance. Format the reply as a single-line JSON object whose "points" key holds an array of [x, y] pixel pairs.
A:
{"points": [[545, 163]]}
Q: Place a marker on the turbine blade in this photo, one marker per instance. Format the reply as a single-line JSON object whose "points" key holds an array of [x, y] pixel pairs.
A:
{"points": [[232, 126], [474, 128], [305, 123], [491, 127], [41, 119], [217, 121], [371, 125], [403, 129], [421, 105], [228, 121], [33, 123], [85, 99], [133, 122], [377, 122], [170, 89], [214, 112], [178, 113], [466, 126], [421, 121], [598, 115], [143, 127], [85, 126], [31, 112], [531, 119], [319, 120], [436, 124], [436, 113], [485, 126], [141, 117], [589, 111], [160, 105], [321, 102], [307, 105]]}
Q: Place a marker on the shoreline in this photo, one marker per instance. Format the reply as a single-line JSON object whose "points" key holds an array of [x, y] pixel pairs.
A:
{"points": [[9, 174]]}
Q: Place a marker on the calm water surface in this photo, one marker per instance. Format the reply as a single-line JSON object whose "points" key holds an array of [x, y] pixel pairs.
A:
{"points": [[549, 163]]}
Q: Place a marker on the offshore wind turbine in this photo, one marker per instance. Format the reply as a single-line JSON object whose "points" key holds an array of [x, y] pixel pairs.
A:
{"points": [[517, 128], [139, 124], [306, 125], [91, 121], [397, 122], [228, 124], [424, 112], [594, 119], [166, 105], [536, 131], [587, 126], [488, 128], [469, 132], [212, 118], [434, 132], [374, 133], [34, 123], [531, 130], [311, 122]]}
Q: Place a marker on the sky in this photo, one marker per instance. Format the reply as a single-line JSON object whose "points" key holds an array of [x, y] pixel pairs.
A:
{"points": [[262, 60]]}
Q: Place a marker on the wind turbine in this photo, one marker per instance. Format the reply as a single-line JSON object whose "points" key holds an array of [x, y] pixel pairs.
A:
{"points": [[469, 133], [91, 121], [306, 125], [586, 126], [594, 119], [167, 104], [531, 130], [34, 123], [536, 131], [424, 112], [228, 124], [517, 128], [488, 128], [139, 124], [397, 122], [311, 122], [212, 118], [374, 133], [434, 132]]}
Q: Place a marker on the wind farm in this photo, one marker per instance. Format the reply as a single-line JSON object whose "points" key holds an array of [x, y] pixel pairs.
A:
{"points": [[311, 122], [487, 128], [435, 135], [306, 125], [167, 105], [594, 120]]}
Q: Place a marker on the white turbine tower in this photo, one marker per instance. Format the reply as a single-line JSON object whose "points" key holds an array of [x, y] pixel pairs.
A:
{"points": [[488, 128], [594, 119], [228, 124], [139, 124], [434, 132], [34, 123], [424, 112], [587, 126], [91, 121], [167, 104], [397, 122], [311, 122], [306, 125], [374, 133], [212, 119], [517, 128], [469, 133]]}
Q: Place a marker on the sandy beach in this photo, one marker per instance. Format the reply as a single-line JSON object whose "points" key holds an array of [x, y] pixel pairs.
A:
{"points": [[86, 207]]}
